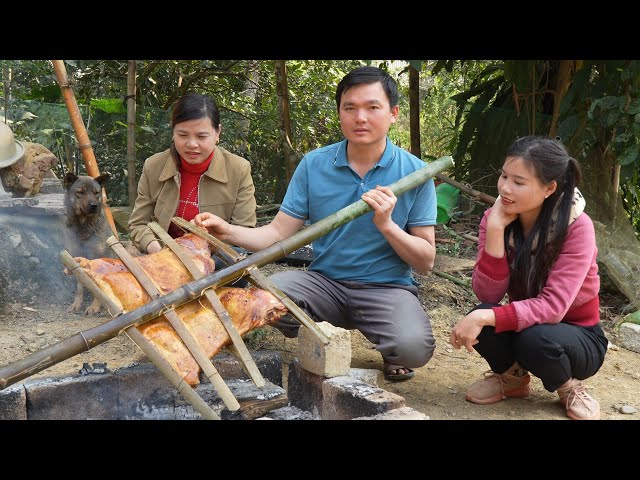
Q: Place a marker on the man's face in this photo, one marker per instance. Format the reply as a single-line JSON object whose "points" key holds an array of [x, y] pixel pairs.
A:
{"points": [[365, 114]]}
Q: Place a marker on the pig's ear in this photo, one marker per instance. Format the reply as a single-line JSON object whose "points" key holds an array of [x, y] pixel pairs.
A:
{"points": [[69, 179]]}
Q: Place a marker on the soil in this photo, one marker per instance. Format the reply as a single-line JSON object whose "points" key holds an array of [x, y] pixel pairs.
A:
{"points": [[438, 388]]}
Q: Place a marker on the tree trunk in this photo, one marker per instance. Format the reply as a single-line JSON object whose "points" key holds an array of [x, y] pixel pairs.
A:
{"points": [[414, 111], [284, 123], [131, 132]]}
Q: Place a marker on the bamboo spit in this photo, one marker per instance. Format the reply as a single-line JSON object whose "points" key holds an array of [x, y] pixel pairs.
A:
{"points": [[178, 325], [87, 339], [218, 308], [145, 345]]}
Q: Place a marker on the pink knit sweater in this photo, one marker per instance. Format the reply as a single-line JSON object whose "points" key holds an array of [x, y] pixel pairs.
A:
{"points": [[570, 294]]}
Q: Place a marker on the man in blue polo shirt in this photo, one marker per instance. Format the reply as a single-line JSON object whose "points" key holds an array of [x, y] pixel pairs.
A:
{"points": [[360, 277]]}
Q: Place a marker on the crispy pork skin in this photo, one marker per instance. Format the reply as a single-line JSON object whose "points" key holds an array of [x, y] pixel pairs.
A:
{"points": [[249, 308]]}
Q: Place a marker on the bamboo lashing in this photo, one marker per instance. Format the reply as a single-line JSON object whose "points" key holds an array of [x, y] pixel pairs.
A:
{"points": [[178, 325], [218, 308], [230, 256], [71, 346]]}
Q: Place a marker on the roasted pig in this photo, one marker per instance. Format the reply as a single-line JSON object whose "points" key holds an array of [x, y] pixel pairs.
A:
{"points": [[249, 309]]}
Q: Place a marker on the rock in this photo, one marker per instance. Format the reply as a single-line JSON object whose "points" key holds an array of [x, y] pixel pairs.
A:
{"points": [[627, 410], [24, 177]]}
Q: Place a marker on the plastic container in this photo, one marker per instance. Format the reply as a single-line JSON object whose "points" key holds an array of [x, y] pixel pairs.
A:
{"points": [[447, 198]]}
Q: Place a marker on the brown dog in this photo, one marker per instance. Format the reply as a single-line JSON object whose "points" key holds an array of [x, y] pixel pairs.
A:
{"points": [[87, 226]]}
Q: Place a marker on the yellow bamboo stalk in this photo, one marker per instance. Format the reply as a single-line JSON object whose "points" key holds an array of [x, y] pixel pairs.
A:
{"points": [[84, 144]]}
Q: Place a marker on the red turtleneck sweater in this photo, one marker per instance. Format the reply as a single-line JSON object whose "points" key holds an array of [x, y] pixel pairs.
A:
{"points": [[188, 205]]}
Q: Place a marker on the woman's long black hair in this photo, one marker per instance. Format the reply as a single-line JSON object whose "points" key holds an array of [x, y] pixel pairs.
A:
{"points": [[550, 161]]}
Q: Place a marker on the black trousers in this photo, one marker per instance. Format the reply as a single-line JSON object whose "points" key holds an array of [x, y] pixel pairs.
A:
{"points": [[552, 352]]}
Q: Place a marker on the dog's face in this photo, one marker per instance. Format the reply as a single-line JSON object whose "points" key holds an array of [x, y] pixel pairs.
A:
{"points": [[84, 194]]}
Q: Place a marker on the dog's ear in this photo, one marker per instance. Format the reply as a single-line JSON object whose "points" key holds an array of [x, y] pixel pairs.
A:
{"points": [[102, 179], [69, 179]]}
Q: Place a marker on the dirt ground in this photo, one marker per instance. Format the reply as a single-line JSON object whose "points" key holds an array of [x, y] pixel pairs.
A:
{"points": [[438, 388]]}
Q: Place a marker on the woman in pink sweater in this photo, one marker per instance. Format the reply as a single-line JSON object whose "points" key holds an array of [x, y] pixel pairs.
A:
{"points": [[537, 246]]}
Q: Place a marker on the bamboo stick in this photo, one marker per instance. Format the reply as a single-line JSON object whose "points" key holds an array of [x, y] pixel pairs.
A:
{"points": [[224, 251], [453, 279], [83, 278], [488, 199], [230, 256], [84, 144], [71, 346], [260, 280], [221, 312], [176, 380], [178, 325]]}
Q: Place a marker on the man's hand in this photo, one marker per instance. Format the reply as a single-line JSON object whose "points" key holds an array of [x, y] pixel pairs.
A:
{"points": [[382, 201]]}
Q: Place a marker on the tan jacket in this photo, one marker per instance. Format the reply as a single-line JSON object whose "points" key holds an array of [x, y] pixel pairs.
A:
{"points": [[226, 189]]}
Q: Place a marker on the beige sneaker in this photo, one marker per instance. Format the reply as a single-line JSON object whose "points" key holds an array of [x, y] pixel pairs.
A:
{"points": [[579, 404], [495, 387]]}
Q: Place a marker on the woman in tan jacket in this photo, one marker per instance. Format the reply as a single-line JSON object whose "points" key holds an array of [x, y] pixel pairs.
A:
{"points": [[193, 176]]}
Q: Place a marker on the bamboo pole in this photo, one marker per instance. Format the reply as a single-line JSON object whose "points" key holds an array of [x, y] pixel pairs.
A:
{"points": [[71, 346], [218, 308], [131, 132], [230, 257], [178, 325], [84, 144]]}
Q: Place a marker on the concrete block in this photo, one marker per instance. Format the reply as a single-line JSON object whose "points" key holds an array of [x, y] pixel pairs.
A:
{"points": [[331, 360], [13, 403], [371, 376], [304, 388], [344, 398], [73, 398]]}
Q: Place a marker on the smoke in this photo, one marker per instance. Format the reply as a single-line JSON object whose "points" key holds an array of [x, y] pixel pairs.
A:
{"points": [[31, 271]]}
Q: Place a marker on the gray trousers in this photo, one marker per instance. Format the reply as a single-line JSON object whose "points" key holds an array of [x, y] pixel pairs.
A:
{"points": [[389, 315]]}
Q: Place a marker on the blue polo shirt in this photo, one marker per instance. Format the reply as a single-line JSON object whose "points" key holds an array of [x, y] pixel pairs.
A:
{"points": [[323, 183]]}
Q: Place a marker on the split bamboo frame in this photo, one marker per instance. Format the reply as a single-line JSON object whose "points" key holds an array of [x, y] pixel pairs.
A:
{"points": [[87, 339]]}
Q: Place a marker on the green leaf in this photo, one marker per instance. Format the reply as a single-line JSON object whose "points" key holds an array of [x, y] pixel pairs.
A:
{"points": [[634, 107], [109, 105], [417, 64], [148, 129], [629, 155], [567, 127]]}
